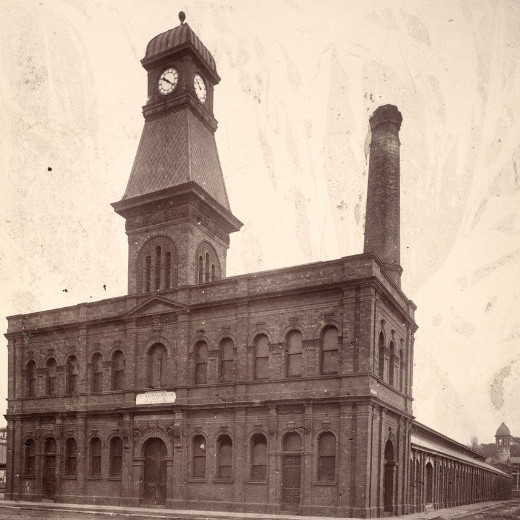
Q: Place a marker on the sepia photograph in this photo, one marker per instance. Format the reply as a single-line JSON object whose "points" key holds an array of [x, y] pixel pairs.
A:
{"points": [[260, 259]]}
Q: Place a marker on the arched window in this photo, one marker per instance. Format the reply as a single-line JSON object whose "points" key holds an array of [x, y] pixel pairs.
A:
{"points": [[261, 357], [294, 354], [391, 372], [201, 362], [157, 268], [207, 263], [97, 372], [157, 366], [157, 265], [116, 457], [207, 268], [168, 270], [30, 379], [329, 351], [30, 458], [258, 457], [224, 457], [95, 457], [327, 457], [201, 269], [227, 360], [118, 370], [199, 456], [148, 274], [292, 442], [402, 371], [381, 345], [71, 451], [429, 482], [51, 387], [72, 375]]}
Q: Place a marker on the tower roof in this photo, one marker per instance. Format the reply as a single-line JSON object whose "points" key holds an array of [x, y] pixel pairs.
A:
{"points": [[175, 38], [503, 431]]}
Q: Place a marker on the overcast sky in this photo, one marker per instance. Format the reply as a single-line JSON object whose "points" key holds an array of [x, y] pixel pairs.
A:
{"points": [[299, 81]]}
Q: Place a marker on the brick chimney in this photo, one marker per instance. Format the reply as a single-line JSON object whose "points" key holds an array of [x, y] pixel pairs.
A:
{"points": [[383, 214]]}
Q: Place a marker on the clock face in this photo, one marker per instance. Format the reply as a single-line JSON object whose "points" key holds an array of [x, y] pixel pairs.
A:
{"points": [[200, 88], [168, 81]]}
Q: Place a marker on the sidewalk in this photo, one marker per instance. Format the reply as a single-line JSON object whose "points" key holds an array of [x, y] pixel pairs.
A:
{"points": [[174, 514]]}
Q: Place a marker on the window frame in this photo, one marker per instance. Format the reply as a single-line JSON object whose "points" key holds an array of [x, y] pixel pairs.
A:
{"points": [[29, 458], [254, 476], [293, 356], [71, 457], [197, 472], [95, 458], [224, 461], [115, 470], [326, 348], [326, 475]]}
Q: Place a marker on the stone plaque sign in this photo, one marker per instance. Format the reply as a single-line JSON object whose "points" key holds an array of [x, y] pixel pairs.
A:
{"points": [[159, 397]]}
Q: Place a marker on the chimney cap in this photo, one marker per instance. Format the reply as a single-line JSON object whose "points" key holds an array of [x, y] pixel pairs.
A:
{"points": [[386, 114]]}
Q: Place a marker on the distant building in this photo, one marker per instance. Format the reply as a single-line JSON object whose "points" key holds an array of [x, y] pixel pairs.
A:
{"points": [[285, 390], [504, 454]]}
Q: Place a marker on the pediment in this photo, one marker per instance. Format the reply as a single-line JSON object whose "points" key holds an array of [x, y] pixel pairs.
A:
{"points": [[156, 305]]}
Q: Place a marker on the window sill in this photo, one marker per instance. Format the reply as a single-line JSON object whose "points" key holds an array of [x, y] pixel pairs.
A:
{"points": [[69, 477], [263, 482], [223, 480], [96, 477], [114, 477], [27, 476], [324, 483], [198, 480]]}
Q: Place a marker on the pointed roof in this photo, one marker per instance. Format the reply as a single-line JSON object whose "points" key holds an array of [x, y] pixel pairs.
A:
{"points": [[503, 431], [180, 36], [174, 150]]}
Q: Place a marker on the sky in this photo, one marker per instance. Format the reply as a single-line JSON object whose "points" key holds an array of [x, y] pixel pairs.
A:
{"points": [[300, 80]]}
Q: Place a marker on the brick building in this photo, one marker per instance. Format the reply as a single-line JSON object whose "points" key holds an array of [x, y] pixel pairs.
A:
{"points": [[282, 390]]}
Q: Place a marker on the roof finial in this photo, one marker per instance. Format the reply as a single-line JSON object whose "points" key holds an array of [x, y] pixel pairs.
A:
{"points": [[182, 16]]}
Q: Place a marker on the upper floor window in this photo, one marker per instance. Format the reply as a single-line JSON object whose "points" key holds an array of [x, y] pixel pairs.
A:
{"points": [[95, 457], [224, 457], [329, 351], [258, 457], [227, 360], [391, 368], [199, 456], [157, 366], [294, 354], [97, 372], [118, 370], [208, 266], [201, 362], [261, 357], [157, 265], [327, 456], [381, 350], [51, 383], [72, 375], [30, 458], [402, 369], [30, 379], [70, 457], [116, 457]]}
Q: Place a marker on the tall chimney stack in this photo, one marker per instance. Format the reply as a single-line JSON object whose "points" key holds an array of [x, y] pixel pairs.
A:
{"points": [[383, 213]]}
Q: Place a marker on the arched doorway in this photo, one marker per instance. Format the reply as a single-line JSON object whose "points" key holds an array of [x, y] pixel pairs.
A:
{"points": [[49, 468], [154, 472], [389, 477], [429, 483], [292, 471]]}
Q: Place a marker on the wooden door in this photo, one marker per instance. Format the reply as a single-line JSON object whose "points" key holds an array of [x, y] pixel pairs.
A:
{"points": [[49, 469], [292, 472], [155, 472], [389, 487]]}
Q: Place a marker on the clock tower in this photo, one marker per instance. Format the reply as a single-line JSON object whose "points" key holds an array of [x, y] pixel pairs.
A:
{"points": [[176, 207]]}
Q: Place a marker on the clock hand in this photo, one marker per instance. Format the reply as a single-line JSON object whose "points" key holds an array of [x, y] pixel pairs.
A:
{"points": [[167, 81]]}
